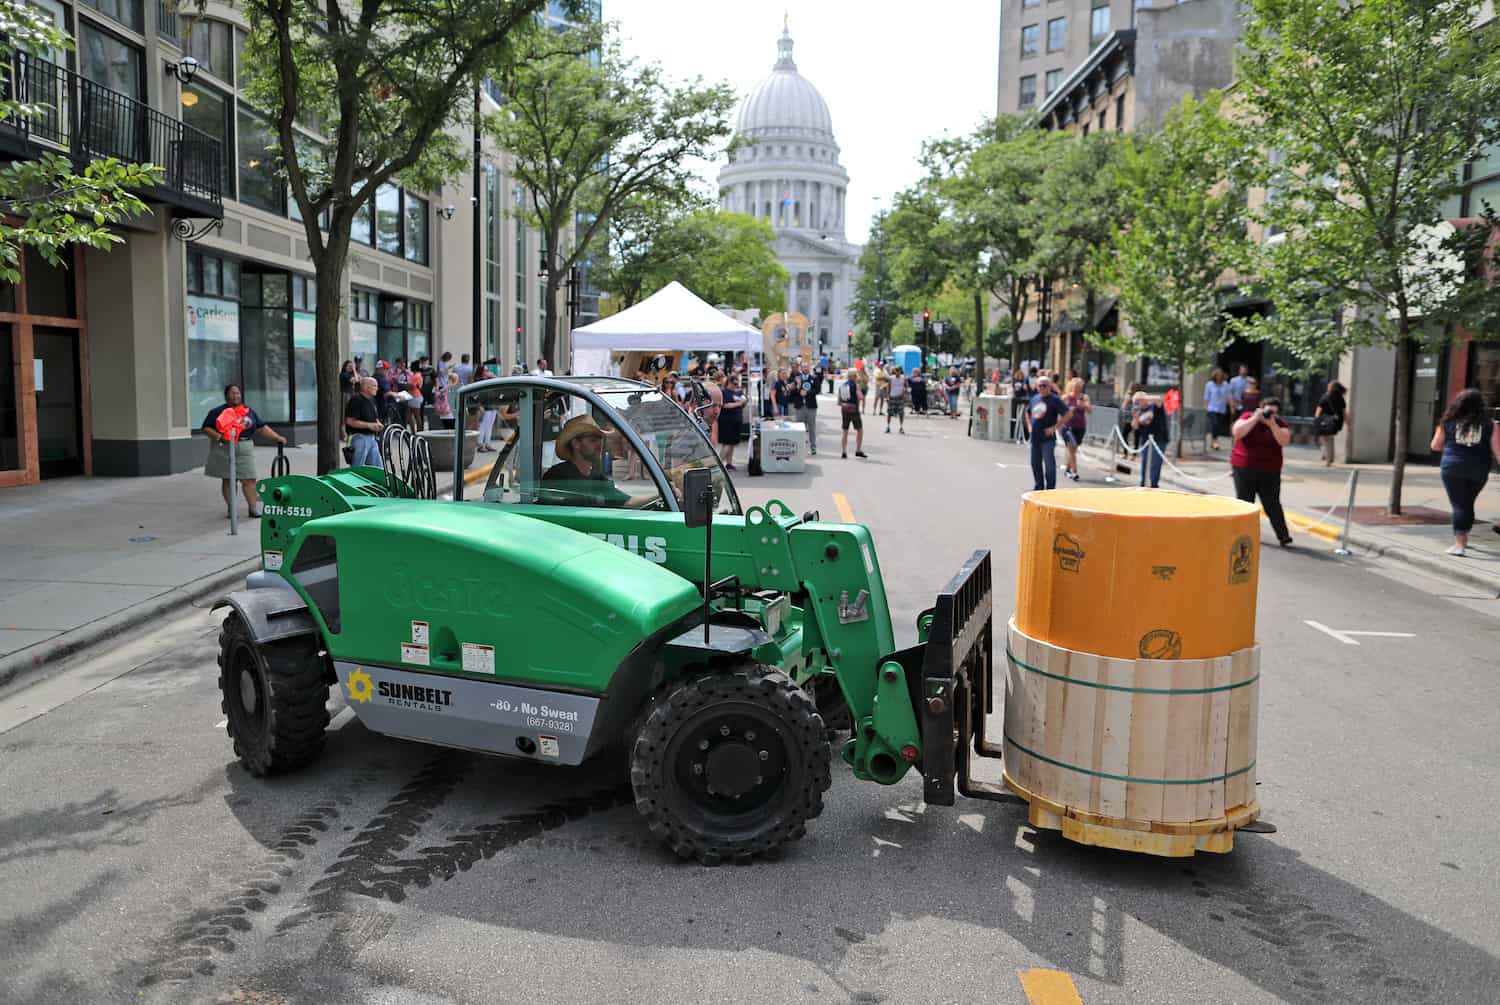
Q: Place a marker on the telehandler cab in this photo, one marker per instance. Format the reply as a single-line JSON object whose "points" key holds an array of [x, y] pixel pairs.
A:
{"points": [[600, 591]]}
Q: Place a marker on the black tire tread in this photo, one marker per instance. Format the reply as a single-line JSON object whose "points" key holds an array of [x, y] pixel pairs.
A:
{"points": [[677, 702], [296, 701]]}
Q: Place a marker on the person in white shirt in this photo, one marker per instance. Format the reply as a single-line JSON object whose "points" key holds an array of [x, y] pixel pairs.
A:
{"points": [[895, 405], [541, 369]]}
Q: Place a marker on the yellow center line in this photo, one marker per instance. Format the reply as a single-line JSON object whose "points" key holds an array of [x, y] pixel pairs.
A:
{"points": [[1048, 987], [842, 505]]}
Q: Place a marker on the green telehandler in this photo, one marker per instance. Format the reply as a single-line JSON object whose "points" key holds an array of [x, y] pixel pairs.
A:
{"points": [[598, 591]]}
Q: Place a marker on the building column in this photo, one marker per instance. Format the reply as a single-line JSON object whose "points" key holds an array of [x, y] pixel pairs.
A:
{"points": [[138, 358]]}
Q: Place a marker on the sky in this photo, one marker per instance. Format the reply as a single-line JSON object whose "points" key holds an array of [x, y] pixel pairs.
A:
{"points": [[893, 74]]}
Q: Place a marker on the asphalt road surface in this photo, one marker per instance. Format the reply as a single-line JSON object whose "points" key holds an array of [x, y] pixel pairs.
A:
{"points": [[139, 862]]}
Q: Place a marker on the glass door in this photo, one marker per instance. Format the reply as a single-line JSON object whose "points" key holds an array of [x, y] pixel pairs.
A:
{"points": [[59, 415], [1426, 402]]}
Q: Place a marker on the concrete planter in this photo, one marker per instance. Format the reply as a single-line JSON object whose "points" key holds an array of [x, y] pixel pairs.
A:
{"points": [[440, 445]]}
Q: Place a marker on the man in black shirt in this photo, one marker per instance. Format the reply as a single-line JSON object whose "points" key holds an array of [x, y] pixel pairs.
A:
{"points": [[805, 400], [578, 479], [364, 425]]}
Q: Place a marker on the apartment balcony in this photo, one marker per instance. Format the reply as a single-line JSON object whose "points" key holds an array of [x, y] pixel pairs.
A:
{"points": [[84, 121]]}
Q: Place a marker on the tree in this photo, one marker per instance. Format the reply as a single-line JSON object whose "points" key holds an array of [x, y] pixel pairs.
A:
{"points": [[725, 258], [1366, 113], [389, 85], [1078, 208], [1186, 230], [596, 135], [995, 189], [644, 237], [56, 204], [874, 291]]}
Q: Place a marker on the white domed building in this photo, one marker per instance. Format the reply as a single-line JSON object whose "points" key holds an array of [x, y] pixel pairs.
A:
{"points": [[786, 170]]}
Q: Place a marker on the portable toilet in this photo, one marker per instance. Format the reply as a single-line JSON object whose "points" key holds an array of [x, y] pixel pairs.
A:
{"points": [[907, 357]]}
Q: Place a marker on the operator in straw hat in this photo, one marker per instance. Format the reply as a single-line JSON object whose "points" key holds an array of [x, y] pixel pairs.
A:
{"points": [[578, 478]]}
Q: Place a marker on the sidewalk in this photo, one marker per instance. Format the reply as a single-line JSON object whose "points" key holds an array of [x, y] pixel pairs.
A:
{"points": [[90, 558], [1315, 496]]}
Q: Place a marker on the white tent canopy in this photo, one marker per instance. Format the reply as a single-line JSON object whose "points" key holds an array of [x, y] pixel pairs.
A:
{"points": [[672, 319]]}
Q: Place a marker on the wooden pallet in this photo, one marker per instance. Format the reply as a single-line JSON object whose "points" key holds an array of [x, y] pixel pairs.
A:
{"points": [[1168, 840]]}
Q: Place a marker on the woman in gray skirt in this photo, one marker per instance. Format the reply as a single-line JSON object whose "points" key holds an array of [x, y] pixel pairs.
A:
{"points": [[217, 427]]}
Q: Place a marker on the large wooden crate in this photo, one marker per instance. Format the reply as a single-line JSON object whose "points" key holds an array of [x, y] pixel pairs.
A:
{"points": [[1147, 755]]}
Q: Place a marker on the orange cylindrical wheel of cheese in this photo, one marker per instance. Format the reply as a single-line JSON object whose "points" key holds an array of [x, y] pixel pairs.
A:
{"points": [[1138, 573]]}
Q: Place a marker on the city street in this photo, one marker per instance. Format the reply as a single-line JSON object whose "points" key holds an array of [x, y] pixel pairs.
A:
{"points": [[140, 862]]}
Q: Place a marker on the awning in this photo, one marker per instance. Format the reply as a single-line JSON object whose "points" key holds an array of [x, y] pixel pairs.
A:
{"points": [[1102, 311], [1029, 330], [1066, 325]]}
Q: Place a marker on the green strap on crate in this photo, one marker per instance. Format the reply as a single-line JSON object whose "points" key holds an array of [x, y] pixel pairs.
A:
{"points": [[1128, 778], [1131, 690]]}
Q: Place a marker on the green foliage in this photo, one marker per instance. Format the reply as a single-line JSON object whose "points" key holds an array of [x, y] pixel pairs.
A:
{"points": [[1366, 113], [1186, 229], [725, 258], [49, 204], [595, 136], [389, 87], [58, 207]]}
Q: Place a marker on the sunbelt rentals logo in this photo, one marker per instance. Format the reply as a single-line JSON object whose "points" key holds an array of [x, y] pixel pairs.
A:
{"points": [[361, 688]]}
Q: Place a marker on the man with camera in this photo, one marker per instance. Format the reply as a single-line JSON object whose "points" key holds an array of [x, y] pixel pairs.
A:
{"points": [[1259, 437]]}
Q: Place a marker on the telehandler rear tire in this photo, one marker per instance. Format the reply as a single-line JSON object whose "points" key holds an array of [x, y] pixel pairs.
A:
{"points": [[730, 765], [275, 698]]}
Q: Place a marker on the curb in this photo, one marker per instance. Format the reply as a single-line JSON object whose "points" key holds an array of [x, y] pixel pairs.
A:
{"points": [[113, 626]]}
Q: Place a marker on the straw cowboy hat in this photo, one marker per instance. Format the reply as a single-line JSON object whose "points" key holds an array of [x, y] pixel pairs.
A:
{"points": [[579, 425]]}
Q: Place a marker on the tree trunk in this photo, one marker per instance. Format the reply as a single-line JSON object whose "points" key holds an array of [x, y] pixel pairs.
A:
{"points": [[548, 342], [979, 333], [1399, 413], [330, 269]]}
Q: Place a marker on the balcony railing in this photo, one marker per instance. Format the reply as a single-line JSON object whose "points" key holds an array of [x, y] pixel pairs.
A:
{"points": [[85, 121]]}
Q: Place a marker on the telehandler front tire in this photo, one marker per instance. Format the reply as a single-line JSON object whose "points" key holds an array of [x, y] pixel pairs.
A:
{"points": [[275, 698], [730, 765]]}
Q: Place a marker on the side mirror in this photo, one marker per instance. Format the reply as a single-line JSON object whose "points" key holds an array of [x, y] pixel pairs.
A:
{"points": [[697, 496]]}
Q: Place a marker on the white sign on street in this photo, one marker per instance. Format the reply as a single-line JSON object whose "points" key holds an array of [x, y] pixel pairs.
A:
{"points": [[1346, 635]]}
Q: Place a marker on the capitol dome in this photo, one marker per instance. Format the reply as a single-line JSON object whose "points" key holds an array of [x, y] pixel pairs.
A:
{"points": [[784, 169], [785, 104]]}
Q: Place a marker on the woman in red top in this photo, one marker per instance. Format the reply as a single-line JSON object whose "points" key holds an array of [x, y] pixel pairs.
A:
{"points": [[1259, 436]]}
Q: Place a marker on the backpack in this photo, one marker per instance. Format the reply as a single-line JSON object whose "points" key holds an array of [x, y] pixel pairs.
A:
{"points": [[849, 396]]}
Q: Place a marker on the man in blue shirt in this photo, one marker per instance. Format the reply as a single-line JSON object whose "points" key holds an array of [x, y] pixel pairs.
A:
{"points": [[1237, 385], [1042, 414]]}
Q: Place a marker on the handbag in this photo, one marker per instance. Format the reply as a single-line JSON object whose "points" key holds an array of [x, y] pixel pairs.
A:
{"points": [[1327, 425]]}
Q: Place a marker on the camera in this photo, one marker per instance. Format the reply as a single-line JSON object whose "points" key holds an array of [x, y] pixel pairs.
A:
{"points": [[1267, 411]]}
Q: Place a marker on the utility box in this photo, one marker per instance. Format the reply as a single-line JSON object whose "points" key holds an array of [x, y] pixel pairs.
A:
{"points": [[783, 447], [990, 413]]}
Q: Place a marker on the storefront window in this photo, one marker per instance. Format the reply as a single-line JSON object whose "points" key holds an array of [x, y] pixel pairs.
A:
{"points": [[388, 219], [492, 228], [1484, 370], [213, 331], [415, 212], [418, 329], [259, 184], [207, 110], [265, 337]]}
